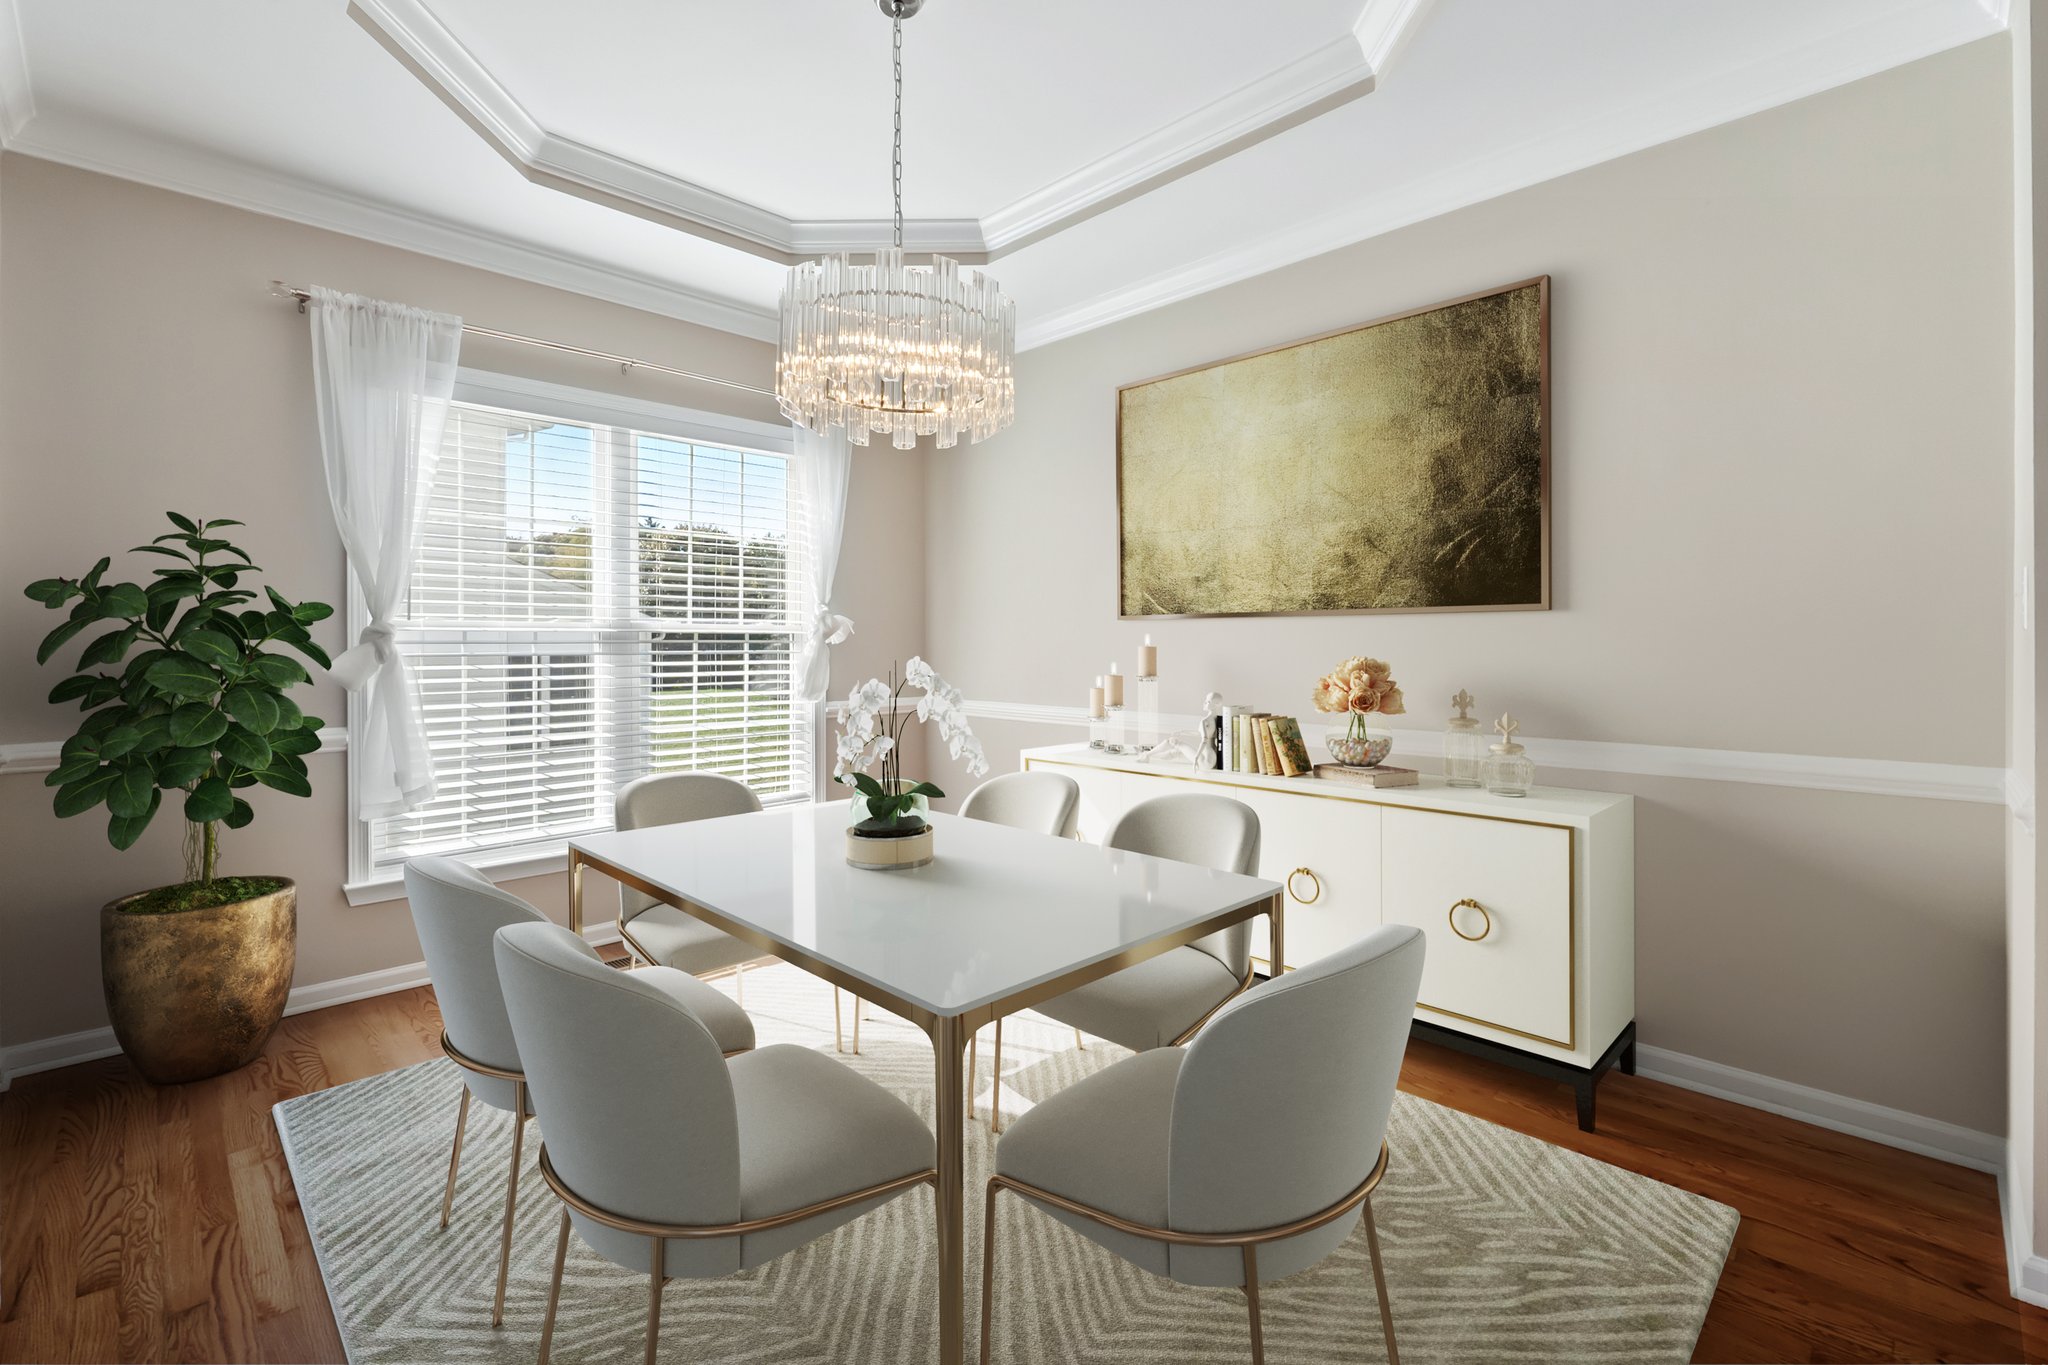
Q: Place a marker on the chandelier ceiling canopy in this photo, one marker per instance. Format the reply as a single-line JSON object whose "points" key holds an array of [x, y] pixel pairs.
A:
{"points": [[875, 345]]}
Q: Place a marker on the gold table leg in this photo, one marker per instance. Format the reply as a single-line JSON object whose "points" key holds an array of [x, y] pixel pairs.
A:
{"points": [[1276, 934], [949, 1045], [575, 893]]}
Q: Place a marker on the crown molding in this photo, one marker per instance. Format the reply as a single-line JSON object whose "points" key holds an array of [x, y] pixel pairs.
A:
{"points": [[1334, 74], [129, 155], [1883, 40], [17, 98]]}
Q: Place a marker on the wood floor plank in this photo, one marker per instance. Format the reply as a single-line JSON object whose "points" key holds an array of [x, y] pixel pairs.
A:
{"points": [[150, 1223]]}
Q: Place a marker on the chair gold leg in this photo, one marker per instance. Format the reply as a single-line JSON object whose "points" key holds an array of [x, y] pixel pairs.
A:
{"points": [[1379, 1284], [455, 1157], [656, 1276], [856, 1026], [995, 1096], [547, 1323], [511, 1201], [1251, 1298], [988, 1271], [838, 1029], [1079, 1041], [973, 1071]]}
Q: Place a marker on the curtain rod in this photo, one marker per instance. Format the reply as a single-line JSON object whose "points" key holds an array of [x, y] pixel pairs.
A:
{"points": [[627, 364]]}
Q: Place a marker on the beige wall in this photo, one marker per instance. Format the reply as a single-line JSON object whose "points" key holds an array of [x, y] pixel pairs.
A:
{"points": [[143, 366], [1781, 480]]}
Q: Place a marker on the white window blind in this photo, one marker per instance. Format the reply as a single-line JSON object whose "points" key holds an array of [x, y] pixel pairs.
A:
{"points": [[591, 603]]}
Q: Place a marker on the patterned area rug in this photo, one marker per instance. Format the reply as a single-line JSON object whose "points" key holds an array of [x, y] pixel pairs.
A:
{"points": [[1499, 1247]]}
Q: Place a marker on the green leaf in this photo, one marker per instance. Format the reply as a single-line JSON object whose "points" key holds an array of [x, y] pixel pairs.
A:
{"points": [[140, 663], [196, 723], [183, 523], [312, 723], [220, 521], [84, 744], [71, 770], [159, 614], [109, 648], [293, 741], [302, 642], [241, 814], [288, 715], [123, 830], [124, 600], [133, 787], [172, 584], [255, 708], [99, 722], [119, 741], [243, 749], [867, 785], [159, 550], [209, 646], [103, 691], [306, 613], [155, 732], [57, 638], [74, 798], [183, 676], [922, 789], [241, 780], [285, 780], [91, 581], [182, 767], [51, 592], [73, 688], [210, 800], [279, 671]]}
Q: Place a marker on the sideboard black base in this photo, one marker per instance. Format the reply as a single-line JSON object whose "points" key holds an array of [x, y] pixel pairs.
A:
{"points": [[1620, 1053]]}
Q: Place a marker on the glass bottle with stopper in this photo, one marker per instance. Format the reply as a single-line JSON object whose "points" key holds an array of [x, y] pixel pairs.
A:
{"points": [[1508, 770], [1464, 745]]}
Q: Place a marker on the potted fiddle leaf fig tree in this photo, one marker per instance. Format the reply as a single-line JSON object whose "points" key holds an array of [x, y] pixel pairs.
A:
{"points": [[185, 694]]}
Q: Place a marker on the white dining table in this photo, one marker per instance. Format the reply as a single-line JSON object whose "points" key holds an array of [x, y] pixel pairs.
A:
{"points": [[1000, 920]]}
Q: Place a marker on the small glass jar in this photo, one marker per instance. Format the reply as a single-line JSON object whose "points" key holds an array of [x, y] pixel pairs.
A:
{"points": [[1464, 745], [1509, 771]]}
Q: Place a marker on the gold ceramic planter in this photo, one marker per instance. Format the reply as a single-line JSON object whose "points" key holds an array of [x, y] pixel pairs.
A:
{"points": [[195, 993]]}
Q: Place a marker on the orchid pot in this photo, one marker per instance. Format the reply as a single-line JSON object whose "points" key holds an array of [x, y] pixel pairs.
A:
{"points": [[888, 820]]}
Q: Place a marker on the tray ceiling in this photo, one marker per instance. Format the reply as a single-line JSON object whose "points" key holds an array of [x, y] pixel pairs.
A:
{"points": [[1111, 157]]}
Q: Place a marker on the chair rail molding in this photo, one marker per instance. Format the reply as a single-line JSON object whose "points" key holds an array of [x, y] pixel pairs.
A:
{"points": [[40, 756], [1817, 772]]}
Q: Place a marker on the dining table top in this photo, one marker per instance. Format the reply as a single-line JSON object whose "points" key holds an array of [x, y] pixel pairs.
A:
{"points": [[997, 912]]}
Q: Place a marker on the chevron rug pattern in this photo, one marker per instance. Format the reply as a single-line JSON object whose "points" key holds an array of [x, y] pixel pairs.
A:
{"points": [[1499, 1247]]}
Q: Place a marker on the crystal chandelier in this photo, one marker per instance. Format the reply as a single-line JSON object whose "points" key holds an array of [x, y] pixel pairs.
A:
{"points": [[880, 346]]}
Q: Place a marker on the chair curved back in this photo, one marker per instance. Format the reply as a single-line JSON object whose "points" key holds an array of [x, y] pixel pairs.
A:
{"points": [[1283, 1099], [636, 1101], [1045, 803], [673, 799], [456, 910], [1209, 831]]}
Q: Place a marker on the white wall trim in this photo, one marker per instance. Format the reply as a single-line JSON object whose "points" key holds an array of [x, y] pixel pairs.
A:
{"points": [[69, 1049], [17, 97], [1863, 776], [1887, 38], [40, 756], [2026, 1273], [1824, 1109], [148, 160]]}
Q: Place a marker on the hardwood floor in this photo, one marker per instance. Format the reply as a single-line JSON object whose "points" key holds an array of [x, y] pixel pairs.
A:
{"points": [[160, 1224]]}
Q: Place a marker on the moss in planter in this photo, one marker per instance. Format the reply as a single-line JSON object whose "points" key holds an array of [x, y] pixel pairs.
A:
{"points": [[169, 900]]}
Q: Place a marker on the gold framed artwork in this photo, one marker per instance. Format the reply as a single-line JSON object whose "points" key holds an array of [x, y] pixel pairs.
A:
{"points": [[1399, 465]]}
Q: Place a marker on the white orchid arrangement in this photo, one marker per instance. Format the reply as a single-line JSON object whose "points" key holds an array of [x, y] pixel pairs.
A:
{"points": [[865, 738]]}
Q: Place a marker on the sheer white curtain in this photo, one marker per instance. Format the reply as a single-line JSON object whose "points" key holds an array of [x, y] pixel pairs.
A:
{"points": [[383, 375], [823, 465]]}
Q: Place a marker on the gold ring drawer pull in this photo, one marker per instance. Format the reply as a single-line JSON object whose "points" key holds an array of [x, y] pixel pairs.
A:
{"points": [[1469, 904], [1313, 896]]}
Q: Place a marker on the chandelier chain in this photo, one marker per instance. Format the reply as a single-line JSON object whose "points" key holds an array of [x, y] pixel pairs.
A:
{"points": [[896, 161]]}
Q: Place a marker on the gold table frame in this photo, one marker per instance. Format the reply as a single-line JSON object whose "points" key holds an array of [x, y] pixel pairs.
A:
{"points": [[949, 1034]]}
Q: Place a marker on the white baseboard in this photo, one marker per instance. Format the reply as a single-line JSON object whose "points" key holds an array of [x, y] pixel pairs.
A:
{"points": [[69, 1049], [1824, 1109], [2026, 1273]]}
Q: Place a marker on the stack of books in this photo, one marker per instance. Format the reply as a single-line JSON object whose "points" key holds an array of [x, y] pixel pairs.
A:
{"points": [[1260, 742]]}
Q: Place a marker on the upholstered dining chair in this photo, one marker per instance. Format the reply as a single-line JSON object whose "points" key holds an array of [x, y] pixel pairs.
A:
{"points": [[669, 1157], [1044, 803], [1164, 999], [1245, 1156], [658, 932], [456, 910]]}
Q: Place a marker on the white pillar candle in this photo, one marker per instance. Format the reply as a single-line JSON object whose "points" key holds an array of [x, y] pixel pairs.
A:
{"points": [[1095, 711], [1148, 659], [1114, 695]]}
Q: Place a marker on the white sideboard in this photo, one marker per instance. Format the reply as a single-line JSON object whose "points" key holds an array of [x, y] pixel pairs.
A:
{"points": [[1528, 903]]}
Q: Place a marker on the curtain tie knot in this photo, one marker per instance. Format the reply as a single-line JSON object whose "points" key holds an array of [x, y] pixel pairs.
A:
{"points": [[374, 648]]}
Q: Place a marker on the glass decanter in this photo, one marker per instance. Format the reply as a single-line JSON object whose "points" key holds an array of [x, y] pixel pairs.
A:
{"points": [[1508, 772], [1464, 745]]}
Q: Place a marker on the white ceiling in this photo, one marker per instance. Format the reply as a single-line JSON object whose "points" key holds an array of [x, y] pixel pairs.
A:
{"points": [[1110, 155]]}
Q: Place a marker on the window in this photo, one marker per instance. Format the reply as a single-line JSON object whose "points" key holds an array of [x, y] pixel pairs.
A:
{"points": [[598, 595]]}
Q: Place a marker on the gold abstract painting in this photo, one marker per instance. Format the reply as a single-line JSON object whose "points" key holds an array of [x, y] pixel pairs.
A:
{"points": [[1402, 465]]}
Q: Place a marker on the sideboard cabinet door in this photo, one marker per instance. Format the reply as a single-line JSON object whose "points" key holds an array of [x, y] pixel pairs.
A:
{"points": [[1326, 852], [1495, 899]]}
